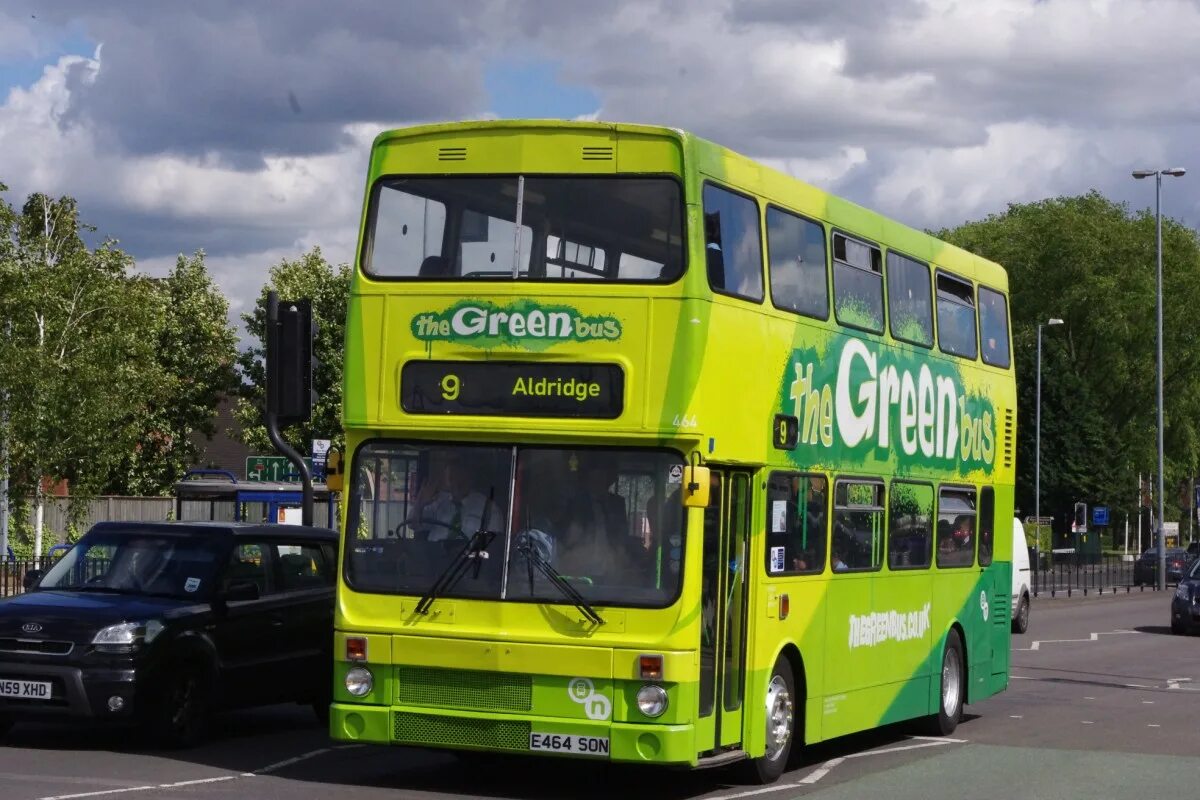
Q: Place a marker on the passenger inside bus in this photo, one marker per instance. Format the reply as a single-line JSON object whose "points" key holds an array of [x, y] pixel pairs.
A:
{"points": [[450, 504]]}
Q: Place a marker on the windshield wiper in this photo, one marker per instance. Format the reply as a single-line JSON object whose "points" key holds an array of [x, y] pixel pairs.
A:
{"points": [[533, 557], [472, 555]]}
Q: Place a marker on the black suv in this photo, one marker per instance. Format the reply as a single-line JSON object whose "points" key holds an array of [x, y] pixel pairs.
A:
{"points": [[157, 623]]}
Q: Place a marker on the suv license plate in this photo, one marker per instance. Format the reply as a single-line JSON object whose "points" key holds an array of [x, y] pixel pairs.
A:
{"points": [[594, 746], [26, 690]]}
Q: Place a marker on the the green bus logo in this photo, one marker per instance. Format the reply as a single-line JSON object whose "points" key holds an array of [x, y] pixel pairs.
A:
{"points": [[882, 399], [523, 323]]}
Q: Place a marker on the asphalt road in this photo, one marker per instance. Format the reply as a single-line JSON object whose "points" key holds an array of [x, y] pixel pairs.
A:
{"points": [[1104, 703]]}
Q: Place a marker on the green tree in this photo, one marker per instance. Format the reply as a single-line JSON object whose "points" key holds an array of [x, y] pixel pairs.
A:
{"points": [[1091, 262], [328, 287], [77, 360], [196, 354]]}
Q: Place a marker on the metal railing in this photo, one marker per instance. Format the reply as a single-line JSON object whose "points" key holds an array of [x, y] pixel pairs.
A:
{"points": [[1070, 574], [12, 573]]}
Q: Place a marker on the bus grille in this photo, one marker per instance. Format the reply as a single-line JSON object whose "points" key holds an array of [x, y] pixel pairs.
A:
{"points": [[1000, 609], [460, 688], [458, 732], [1007, 437]]}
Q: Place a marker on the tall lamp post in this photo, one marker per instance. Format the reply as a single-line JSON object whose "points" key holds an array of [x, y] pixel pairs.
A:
{"points": [[1037, 460], [1158, 173]]}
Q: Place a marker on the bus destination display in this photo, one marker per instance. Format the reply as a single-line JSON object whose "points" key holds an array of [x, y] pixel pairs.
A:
{"points": [[497, 388]]}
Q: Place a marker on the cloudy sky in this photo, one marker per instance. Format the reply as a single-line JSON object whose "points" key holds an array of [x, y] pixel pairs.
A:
{"points": [[243, 128]]}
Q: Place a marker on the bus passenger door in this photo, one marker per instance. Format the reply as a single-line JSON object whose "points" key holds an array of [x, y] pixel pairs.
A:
{"points": [[724, 603]]}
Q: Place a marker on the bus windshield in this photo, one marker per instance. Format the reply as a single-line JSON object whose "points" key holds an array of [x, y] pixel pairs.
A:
{"points": [[625, 229], [609, 522]]}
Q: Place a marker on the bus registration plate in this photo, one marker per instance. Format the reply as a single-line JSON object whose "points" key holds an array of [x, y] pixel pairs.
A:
{"points": [[596, 746]]}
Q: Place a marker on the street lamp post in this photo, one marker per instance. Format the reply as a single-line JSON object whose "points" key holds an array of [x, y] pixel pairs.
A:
{"points": [[1158, 173], [1037, 459]]}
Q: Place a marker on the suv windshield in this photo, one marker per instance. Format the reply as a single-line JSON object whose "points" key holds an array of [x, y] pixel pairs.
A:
{"points": [[162, 565], [607, 522], [536, 228]]}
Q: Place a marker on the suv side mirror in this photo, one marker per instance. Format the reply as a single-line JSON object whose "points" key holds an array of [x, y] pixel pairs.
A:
{"points": [[31, 579], [241, 590]]}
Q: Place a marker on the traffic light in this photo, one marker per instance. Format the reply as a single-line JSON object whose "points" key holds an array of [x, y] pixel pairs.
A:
{"points": [[1080, 517], [291, 365]]}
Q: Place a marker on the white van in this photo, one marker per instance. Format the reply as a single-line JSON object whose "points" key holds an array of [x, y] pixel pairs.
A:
{"points": [[1020, 579]]}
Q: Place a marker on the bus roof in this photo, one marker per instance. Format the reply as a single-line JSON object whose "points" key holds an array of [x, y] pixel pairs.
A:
{"points": [[723, 164]]}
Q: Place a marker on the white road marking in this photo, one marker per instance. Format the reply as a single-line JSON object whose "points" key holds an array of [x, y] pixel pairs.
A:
{"points": [[1088, 722], [1093, 637], [1153, 725], [1015, 716], [823, 770], [267, 770], [1088, 698]]}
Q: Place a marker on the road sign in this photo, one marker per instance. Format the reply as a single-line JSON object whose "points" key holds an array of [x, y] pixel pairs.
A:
{"points": [[320, 454], [1171, 534], [272, 469], [1099, 515]]}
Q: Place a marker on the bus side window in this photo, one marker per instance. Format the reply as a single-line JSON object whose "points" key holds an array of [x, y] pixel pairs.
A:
{"points": [[797, 509], [732, 243], [910, 514], [857, 525]]}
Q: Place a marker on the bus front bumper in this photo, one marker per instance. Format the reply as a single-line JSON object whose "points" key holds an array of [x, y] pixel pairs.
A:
{"points": [[507, 733]]}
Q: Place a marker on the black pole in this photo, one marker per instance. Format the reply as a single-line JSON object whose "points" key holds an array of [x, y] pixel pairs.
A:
{"points": [[272, 422]]}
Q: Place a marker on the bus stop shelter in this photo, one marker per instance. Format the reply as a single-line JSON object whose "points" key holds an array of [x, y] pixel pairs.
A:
{"points": [[209, 494]]}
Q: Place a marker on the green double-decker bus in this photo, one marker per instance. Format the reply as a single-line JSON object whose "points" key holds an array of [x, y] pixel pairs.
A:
{"points": [[657, 455]]}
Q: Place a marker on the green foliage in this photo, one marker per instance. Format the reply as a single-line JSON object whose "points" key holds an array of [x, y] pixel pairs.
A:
{"points": [[77, 350], [196, 354], [1091, 262], [328, 287]]}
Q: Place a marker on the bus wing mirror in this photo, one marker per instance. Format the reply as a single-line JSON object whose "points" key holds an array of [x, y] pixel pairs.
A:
{"points": [[695, 486], [334, 474]]}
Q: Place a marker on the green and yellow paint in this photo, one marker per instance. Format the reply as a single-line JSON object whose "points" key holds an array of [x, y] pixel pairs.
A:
{"points": [[705, 374]]}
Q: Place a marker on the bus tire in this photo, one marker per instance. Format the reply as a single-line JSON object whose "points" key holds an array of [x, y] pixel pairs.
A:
{"points": [[1020, 620], [952, 688], [781, 726]]}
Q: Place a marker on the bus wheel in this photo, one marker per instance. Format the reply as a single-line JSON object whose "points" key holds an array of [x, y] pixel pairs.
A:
{"points": [[950, 708], [781, 725]]}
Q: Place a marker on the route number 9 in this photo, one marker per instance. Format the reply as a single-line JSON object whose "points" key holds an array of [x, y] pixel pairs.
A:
{"points": [[450, 387]]}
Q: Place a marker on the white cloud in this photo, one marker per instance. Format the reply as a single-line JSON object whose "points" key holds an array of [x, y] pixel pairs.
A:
{"points": [[933, 111]]}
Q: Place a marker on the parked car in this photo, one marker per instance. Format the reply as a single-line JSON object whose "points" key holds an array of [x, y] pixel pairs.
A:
{"points": [[157, 623], [1185, 605], [1145, 569], [1020, 579]]}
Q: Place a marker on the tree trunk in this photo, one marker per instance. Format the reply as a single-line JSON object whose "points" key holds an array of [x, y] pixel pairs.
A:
{"points": [[38, 506]]}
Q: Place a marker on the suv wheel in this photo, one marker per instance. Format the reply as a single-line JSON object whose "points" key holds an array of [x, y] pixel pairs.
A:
{"points": [[179, 714]]}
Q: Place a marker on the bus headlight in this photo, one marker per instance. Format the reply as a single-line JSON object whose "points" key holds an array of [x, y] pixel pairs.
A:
{"points": [[652, 700], [359, 681]]}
